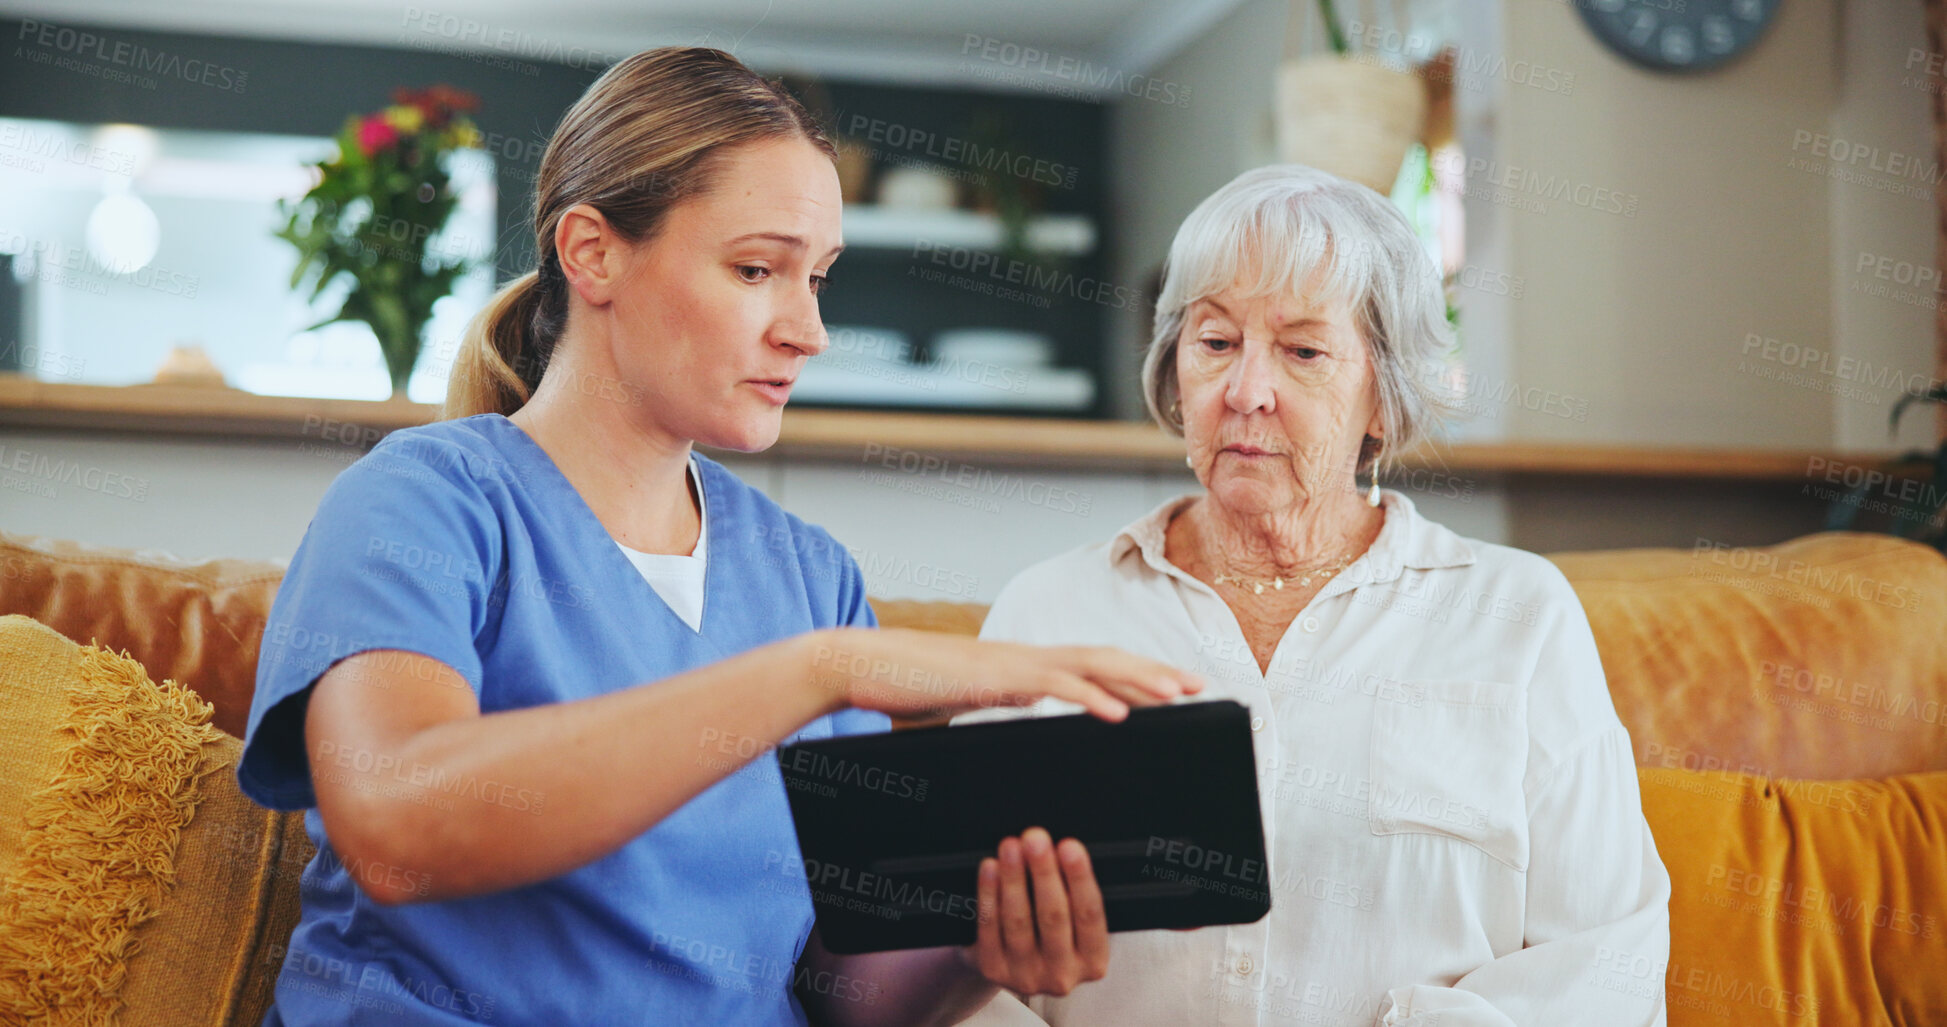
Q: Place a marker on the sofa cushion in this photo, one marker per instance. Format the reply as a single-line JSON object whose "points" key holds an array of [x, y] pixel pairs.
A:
{"points": [[1798, 902], [197, 623], [930, 615], [1814, 658], [1820, 657], [133, 873]]}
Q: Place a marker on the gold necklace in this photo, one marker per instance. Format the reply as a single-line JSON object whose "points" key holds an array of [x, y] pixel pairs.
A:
{"points": [[1256, 585]]}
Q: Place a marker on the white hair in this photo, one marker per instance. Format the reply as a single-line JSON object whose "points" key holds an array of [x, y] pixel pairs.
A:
{"points": [[1288, 229]]}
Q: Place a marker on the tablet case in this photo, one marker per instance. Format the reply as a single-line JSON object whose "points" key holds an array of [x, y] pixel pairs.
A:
{"points": [[892, 827]]}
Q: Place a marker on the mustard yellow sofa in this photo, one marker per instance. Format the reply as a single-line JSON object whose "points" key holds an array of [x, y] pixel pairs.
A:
{"points": [[1788, 707]]}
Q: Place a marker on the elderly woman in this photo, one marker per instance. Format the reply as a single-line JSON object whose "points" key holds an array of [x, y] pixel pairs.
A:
{"points": [[1450, 805]]}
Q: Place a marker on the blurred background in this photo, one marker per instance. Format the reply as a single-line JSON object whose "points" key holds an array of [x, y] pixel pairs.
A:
{"points": [[1690, 250]]}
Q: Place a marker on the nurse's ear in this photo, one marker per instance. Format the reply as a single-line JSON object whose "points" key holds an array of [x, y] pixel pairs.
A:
{"points": [[594, 257]]}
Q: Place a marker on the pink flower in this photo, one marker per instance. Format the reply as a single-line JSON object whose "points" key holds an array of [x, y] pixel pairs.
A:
{"points": [[375, 134]]}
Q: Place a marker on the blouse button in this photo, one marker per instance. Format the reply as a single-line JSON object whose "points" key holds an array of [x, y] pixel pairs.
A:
{"points": [[1311, 624], [1257, 723], [1243, 966]]}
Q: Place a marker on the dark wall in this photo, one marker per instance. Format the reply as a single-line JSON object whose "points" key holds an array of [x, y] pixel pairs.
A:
{"points": [[11, 356], [1053, 151]]}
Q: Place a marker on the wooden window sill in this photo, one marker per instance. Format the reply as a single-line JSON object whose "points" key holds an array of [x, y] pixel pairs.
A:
{"points": [[842, 434]]}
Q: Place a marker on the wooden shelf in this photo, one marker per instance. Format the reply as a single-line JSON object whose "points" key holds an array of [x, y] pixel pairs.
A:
{"points": [[848, 435], [191, 410], [868, 226]]}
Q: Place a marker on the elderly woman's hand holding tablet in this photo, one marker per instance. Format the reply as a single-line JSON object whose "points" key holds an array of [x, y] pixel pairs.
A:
{"points": [[1451, 811]]}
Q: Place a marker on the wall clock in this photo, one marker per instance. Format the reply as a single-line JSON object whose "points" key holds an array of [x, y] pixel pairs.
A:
{"points": [[1678, 35]]}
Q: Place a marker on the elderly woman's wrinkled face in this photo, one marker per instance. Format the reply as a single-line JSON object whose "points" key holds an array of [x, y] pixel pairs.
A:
{"points": [[1277, 395]]}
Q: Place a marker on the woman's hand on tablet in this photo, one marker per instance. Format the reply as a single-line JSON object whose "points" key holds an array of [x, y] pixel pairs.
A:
{"points": [[1042, 930], [918, 673]]}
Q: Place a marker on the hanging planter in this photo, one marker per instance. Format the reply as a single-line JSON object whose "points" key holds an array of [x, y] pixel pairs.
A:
{"points": [[1352, 113], [1349, 115]]}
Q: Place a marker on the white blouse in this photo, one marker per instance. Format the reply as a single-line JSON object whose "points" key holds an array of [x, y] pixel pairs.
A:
{"points": [[1450, 805]]}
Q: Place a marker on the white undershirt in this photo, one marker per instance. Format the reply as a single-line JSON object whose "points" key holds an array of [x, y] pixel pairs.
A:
{"points": [[679, 579]]}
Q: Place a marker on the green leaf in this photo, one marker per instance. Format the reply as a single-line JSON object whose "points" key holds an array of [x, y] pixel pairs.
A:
{"points": [[1937, 394], [1841, 513]]}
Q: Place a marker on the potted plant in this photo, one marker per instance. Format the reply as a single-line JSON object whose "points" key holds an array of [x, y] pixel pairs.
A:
{"points": [[1347, 112], [373, 216], [1011, 199], [1919, 514]]}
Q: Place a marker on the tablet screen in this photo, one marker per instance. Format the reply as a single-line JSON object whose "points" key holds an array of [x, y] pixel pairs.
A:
{"points": [[892, 827]]}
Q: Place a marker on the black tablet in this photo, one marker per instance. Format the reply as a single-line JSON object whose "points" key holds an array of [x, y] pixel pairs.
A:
{"points": [[893, 827]]}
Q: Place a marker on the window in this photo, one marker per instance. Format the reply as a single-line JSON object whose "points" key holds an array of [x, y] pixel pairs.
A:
{"points": [[121, 242]]}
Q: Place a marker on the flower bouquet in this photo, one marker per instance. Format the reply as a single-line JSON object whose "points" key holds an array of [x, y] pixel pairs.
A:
{"points": [[374, 212]]}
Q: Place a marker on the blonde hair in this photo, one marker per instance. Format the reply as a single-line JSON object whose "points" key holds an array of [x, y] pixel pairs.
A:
{"points": [[647, 135]]}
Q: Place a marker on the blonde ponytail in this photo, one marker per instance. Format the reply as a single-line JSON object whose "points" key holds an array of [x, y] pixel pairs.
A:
{"points": [[641, 140], [504, 352]]}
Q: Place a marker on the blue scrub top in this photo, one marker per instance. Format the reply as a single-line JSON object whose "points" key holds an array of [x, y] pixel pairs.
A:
{"points": [[462, 541]]}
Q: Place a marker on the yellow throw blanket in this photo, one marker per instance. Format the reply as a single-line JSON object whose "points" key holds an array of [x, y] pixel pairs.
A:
{"points": [[103, 769]]}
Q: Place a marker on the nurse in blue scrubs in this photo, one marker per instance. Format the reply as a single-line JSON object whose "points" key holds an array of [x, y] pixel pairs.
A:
{"points": [[527, 664]]}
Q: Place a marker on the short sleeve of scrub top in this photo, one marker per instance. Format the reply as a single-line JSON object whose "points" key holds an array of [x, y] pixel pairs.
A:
{"points": [[462, 541]]}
